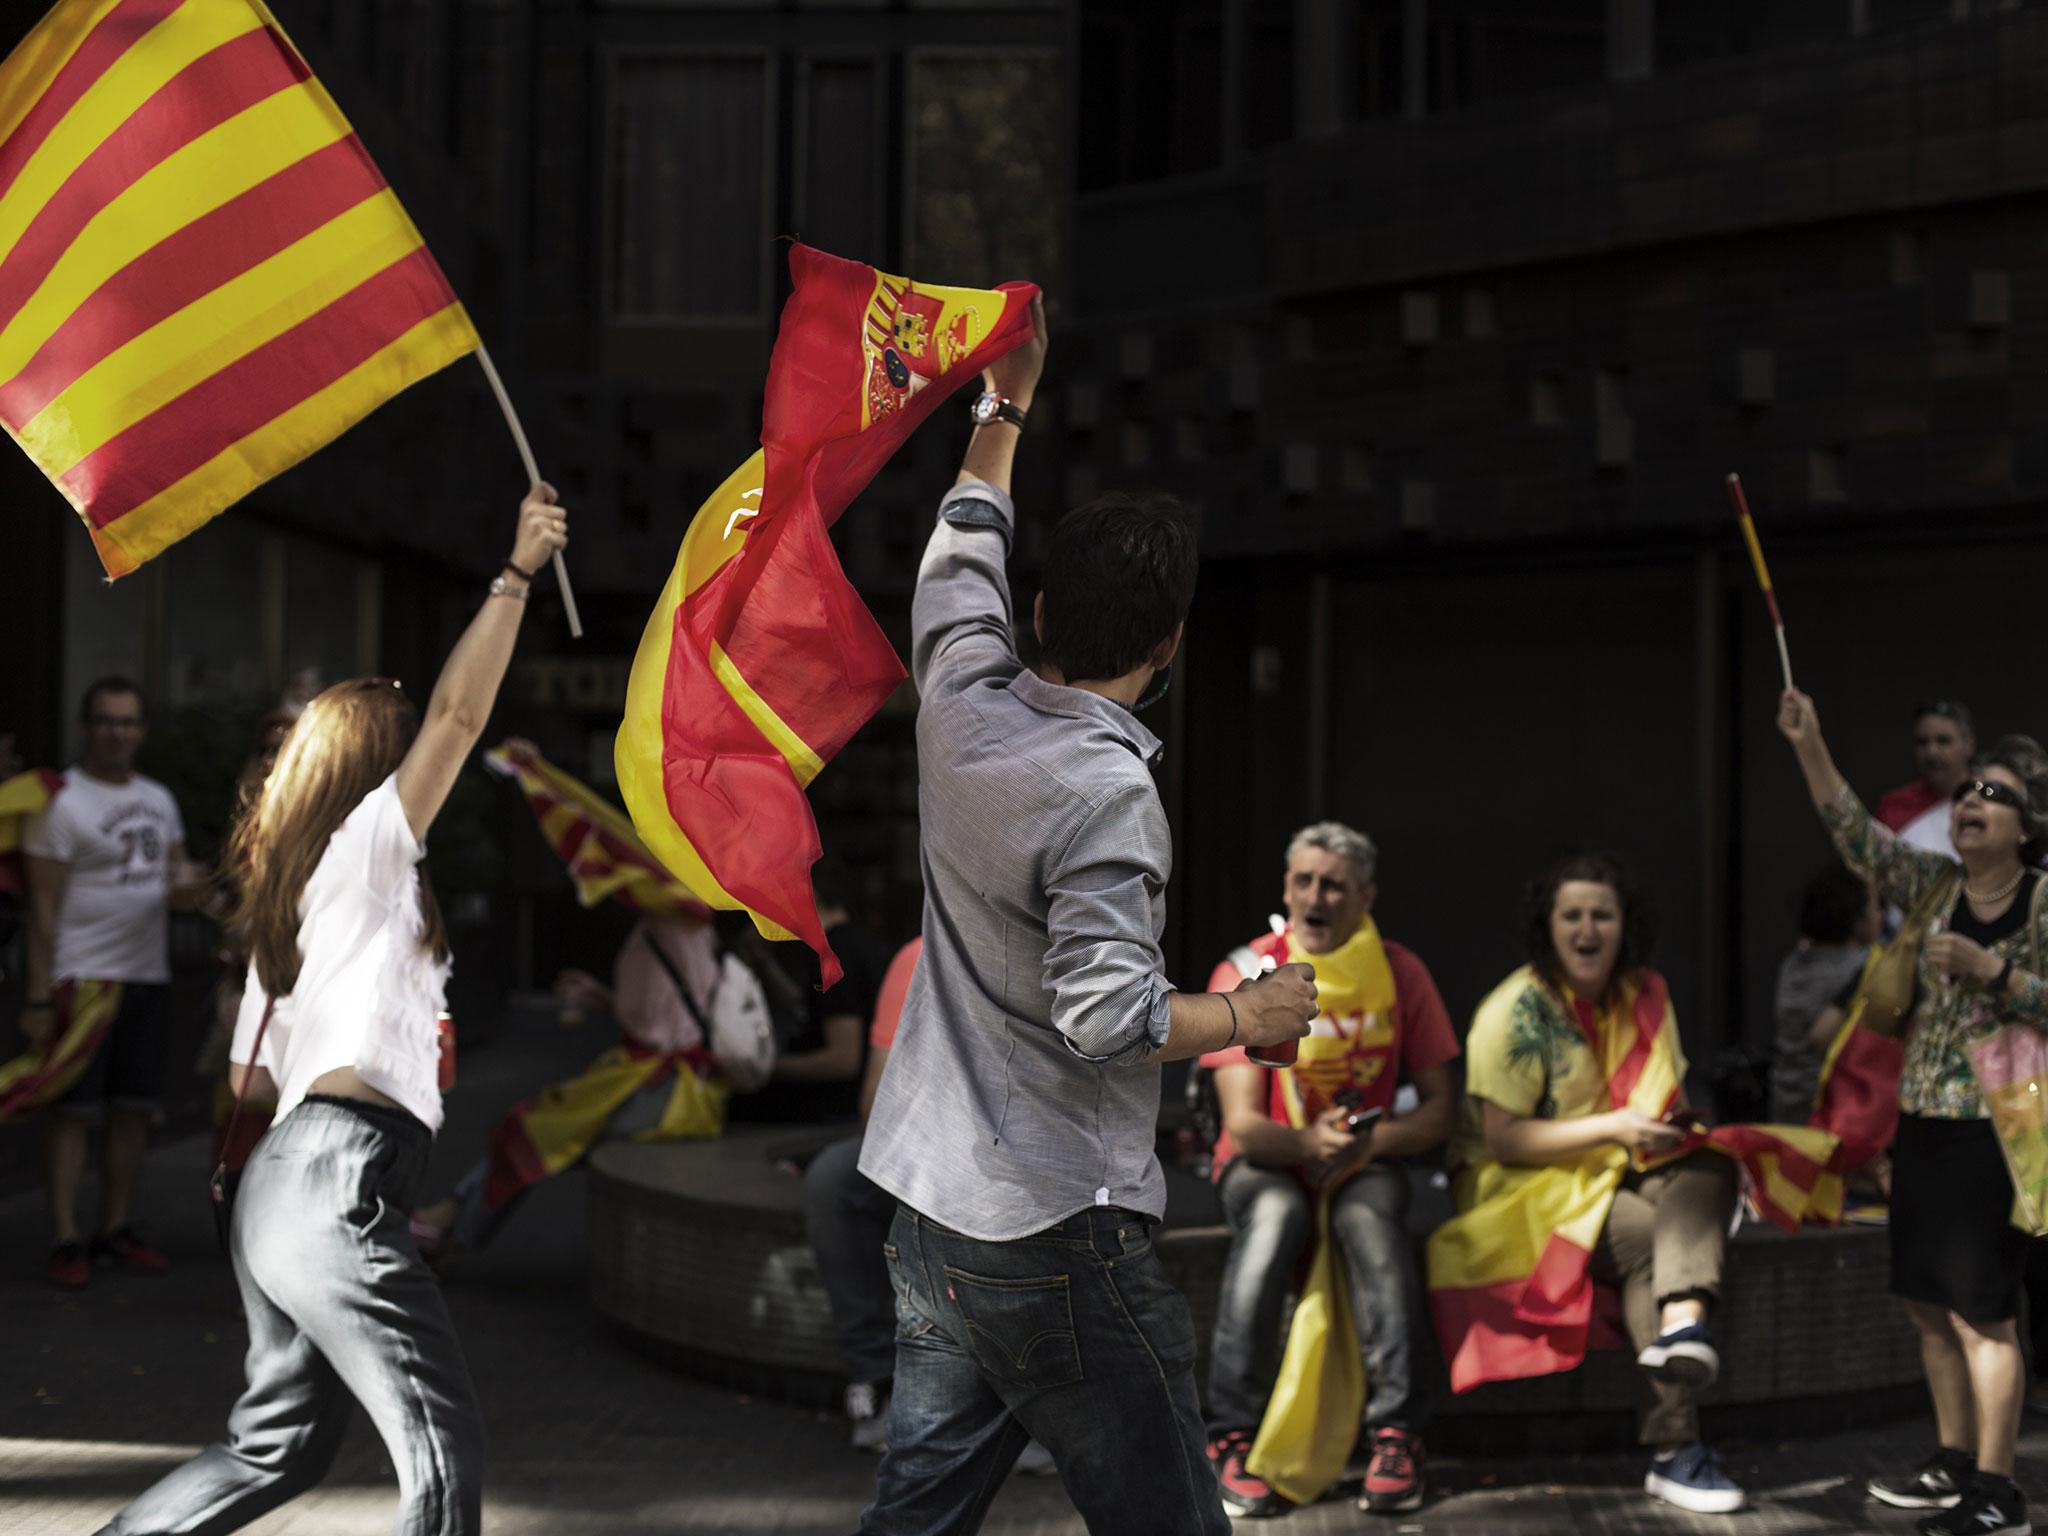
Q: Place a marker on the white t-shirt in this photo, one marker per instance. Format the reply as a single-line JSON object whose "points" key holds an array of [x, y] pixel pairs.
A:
{"points": [[115, 841], [368, 993]]}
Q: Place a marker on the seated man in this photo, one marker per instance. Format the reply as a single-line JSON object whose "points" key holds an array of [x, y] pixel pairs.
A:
{"points": [[819, 1071], [1330, 1127]]}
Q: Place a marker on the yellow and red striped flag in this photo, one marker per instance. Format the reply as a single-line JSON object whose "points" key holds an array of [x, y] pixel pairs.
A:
{"points": [[203, 276], [760, 661], [595, 840], [22, 798]]}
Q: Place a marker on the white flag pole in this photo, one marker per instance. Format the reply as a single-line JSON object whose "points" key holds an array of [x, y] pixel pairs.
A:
{"points": [[533, 477]]}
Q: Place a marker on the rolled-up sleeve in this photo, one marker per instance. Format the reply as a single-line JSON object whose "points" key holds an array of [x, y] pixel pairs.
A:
{"points": [[960, 614], [1104, 966]]}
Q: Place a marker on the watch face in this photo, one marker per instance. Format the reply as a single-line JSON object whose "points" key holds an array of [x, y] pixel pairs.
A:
{"points": [[985, 407]]}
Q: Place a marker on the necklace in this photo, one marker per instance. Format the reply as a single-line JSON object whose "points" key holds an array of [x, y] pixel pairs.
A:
{"points": [[1993, 898]]}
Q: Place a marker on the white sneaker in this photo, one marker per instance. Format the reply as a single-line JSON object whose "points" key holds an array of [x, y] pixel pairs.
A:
{"points": [[867, 1405]]}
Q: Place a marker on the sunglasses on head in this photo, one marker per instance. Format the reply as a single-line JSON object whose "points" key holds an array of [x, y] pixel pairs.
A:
{"points": [[1991, 792]]}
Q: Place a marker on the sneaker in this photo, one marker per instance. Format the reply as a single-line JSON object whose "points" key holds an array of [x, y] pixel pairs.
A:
{"points": [[1035, 1461], [1691, 1477], [1393, 1480], [1989, 1506], [1244, 1496], [68, 1269], [125, 1251], [1938, 1484], [1685, 1356], [867, 1405]]}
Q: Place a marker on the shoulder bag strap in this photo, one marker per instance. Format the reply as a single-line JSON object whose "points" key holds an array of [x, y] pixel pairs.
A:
{"points": [[218, 1184], [682, 987]]}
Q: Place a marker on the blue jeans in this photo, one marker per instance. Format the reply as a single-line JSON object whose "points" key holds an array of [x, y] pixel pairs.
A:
{"points": [[848, 1216], [341, 1311], [1073, 1337]]}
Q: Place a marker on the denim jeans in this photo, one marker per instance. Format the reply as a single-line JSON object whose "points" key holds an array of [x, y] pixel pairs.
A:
{"points": [[1073, 1337], [339, 1306], [848, 1217], [1271, 1224]]}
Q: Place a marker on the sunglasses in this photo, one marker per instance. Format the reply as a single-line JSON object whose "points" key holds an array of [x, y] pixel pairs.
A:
{"points": [[1992, 792]]}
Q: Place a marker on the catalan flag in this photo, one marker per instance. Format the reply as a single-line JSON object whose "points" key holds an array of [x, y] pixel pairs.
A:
{"points": [[83, 1013], [604, 856], [203, 277], [760, 661]]}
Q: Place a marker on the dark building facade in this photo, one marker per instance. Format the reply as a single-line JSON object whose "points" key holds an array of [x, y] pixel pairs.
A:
{"points": [[1451, 316]]}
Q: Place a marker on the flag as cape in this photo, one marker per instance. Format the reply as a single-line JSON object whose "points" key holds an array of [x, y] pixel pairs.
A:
{"points": [[759, 661], [203, 276], [22, 798], [604, 856], [1509, 1276]]}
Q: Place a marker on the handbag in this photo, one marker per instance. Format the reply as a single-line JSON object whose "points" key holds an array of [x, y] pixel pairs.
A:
{"points": [[223, 1184], [740, 1032], [1891, 985], [2011, 1067]]}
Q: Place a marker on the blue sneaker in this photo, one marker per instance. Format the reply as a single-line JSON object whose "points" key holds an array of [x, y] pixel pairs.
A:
{"points": [[1685, 1356], [1691, 1477]]}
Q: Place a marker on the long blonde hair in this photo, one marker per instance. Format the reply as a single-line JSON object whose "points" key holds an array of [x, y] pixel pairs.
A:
{"points": [[348, 741]]}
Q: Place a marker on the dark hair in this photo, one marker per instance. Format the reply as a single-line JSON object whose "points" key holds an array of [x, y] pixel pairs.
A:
{"points": [[112, 683], [1119, 576], [2022, 757], [1638, 921], [1831, 905], [1948, 709]]}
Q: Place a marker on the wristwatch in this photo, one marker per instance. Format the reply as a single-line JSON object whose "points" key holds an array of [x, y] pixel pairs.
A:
{"points": [[500, 587], [990, 407]]}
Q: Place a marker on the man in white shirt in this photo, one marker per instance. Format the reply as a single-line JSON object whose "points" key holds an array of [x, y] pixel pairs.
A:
{"points": [[104, 863]]}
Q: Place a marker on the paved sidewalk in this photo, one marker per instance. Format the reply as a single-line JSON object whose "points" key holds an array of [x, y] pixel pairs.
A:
{"points": [[100, 1392]]}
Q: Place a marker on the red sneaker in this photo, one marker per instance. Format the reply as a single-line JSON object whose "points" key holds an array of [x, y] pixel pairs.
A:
{"points": [[1393, 1481], [125, 1251], [1244, 1496], [68, 1270]]}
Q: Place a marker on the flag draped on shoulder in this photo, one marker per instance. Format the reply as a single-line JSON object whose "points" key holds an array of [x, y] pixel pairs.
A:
{"points": [[760, 660], [22, 798], [203, 276], [1510, 1281], [594, 840]]}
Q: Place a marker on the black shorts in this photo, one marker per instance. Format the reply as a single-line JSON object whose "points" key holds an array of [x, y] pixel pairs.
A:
{"points": [[1953, 1241], [127, 1071]]}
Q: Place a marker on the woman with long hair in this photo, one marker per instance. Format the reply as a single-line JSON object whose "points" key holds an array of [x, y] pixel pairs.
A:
{"points": [[1957, 1258], [348, 965], [1568, 1176]]}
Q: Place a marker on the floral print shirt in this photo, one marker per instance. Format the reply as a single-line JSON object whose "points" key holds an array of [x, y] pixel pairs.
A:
{"points": [[1948, 1016]]}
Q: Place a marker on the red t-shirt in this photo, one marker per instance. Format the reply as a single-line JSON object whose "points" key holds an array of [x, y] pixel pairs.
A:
{"points": [[1906, 805], [889, 1000], [1422, 1037]]}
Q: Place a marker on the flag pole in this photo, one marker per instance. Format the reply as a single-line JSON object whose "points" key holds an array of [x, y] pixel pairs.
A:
{"points": [[483, 356], [1763, 572]]}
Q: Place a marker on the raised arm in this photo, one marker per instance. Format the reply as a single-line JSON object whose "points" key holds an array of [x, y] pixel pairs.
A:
{"points": [[960, 615], [461, 703], [1900, 871]]}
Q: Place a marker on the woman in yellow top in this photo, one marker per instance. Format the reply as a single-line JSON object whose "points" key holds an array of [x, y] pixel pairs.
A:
{"points": [[1574, 1076]]}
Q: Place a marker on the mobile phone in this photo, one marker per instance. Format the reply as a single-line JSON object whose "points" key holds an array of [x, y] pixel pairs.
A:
{"points": [[1362, 1119]]}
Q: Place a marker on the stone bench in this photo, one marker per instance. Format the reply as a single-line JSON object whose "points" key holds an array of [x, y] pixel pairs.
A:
{"points": [[698, 1257]]}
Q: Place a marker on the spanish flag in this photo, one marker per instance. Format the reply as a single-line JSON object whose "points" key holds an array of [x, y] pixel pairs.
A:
{"points": [[597, 843], [1510, 1282], [83, 1013], [760, 661], [203, 277]]}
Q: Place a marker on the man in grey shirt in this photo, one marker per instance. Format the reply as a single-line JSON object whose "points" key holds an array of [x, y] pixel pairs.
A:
{"points": [[1016, 1118]]}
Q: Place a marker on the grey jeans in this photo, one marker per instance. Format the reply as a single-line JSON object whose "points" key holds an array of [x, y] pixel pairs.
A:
{"points": [[339, 1306], [1271, 1223]]}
